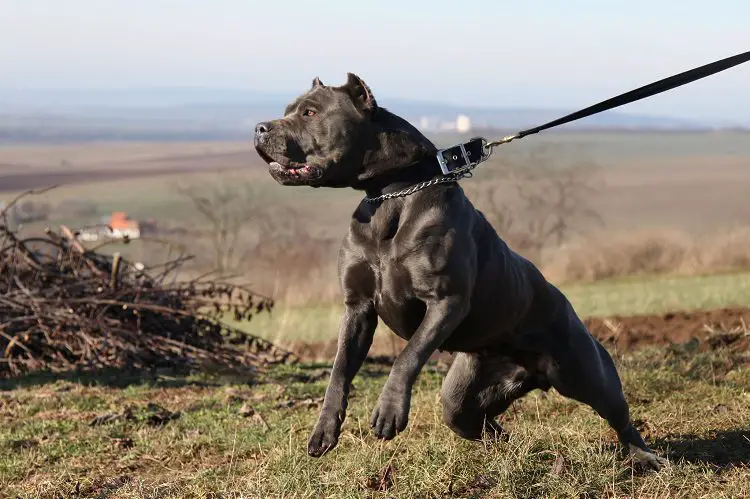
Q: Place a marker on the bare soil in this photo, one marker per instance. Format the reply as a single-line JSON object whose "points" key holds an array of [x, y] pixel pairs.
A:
{"points": [[628, 333], [36, 180], [40, 171]]}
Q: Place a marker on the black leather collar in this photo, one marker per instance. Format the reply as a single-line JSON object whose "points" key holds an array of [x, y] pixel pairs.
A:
{"points": [[443, 164]]}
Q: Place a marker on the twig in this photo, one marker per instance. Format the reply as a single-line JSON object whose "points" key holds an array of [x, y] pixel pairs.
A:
{"points": [[77, 246], [114, 276]]}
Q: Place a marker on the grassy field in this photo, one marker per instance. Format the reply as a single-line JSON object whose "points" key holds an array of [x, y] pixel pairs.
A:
{"points": [[208, 436], [168, 434]]}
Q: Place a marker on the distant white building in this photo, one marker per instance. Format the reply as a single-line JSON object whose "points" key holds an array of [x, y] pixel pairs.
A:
{"points": [[463, 124]]}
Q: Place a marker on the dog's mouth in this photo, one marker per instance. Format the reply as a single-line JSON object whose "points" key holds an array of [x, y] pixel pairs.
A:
{"points": [[289, 172]]}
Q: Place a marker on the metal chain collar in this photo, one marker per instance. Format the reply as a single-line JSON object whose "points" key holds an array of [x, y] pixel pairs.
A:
{"points": [[465, 172], [452, 177]]}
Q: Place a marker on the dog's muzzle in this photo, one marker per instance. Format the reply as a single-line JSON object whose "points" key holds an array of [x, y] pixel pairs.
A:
{"points": [[261, 132]]}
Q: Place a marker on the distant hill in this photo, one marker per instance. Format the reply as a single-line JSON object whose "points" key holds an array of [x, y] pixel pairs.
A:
{"points": [[214, 114]]}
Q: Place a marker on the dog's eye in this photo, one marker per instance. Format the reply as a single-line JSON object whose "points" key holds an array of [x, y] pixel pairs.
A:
{"points": [[308, 112]]}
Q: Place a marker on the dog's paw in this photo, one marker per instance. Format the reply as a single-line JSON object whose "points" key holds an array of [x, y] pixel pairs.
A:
{"points": [[644, 459], [324, 437], [389, 418]]}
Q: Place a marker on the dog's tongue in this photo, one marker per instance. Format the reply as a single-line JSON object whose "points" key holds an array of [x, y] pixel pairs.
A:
{"points": [[294, 171]]}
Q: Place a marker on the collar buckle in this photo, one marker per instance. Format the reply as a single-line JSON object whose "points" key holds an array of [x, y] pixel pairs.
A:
{"points": [[461, 156]]}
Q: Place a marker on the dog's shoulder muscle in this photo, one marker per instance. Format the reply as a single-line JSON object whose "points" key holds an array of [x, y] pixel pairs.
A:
{"points": [[435, 242], [357, 279]]}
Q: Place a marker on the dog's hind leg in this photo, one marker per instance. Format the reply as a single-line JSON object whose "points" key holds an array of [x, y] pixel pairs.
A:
{"points": [[583, 370], [477, 389]]}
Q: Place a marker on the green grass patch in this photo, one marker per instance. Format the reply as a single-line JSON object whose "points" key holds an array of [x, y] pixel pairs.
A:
{"points": [[659, 294]]}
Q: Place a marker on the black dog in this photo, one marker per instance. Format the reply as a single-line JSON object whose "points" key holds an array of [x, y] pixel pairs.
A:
{"points": [[435, 271]]}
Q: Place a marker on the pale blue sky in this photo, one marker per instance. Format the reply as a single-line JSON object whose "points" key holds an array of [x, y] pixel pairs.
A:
{"points": [[561, 53]]}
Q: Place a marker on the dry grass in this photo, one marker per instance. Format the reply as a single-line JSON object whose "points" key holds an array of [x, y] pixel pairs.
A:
{"points": [[649, 252], [234, 440]]}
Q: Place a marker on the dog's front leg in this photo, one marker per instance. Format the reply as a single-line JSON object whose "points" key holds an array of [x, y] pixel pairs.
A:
{"points": [[355, 337], [392, 411]]}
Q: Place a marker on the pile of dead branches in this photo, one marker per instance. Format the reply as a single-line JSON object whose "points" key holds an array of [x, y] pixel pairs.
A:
{"points": [[63, 307]]}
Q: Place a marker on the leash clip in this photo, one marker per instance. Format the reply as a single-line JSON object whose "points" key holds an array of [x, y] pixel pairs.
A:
{"points": [[490, 146]]}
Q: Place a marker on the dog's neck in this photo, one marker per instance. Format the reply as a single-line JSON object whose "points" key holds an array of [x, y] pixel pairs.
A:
{"points": [[401, 178], [401, 157]]}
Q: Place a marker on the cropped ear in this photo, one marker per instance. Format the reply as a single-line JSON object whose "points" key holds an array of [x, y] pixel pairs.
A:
{"points": [[360, 93], [317, 83]]}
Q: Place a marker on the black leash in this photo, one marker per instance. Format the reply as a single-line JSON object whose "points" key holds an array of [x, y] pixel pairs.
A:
{"points": [[457, 162], [637, 94]]}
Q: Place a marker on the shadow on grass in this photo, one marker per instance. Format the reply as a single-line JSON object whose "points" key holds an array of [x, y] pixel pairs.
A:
{"points": [[373, 367], [122, 378], [722, 449], [321, 372], [176, 378]]}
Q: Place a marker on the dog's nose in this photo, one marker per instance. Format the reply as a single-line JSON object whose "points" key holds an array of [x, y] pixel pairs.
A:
{"points": [[262, 129]]}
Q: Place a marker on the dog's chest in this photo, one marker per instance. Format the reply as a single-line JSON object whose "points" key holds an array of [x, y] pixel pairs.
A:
{"points": [[383, 250], [391, 276], [393, 293], [389, 250]]}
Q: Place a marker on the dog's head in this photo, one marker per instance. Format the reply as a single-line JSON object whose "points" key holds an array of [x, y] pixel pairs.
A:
{"points": [[337, 137]]}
